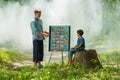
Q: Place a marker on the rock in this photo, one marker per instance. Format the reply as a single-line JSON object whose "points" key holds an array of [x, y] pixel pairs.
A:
{"points": [[87, 59]]}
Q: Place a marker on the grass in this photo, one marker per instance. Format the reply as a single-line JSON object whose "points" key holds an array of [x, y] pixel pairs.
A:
{"points": [[57, 71], [9, 57], [110, 57]]}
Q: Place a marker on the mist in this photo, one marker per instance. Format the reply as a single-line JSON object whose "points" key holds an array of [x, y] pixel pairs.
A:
{"points": [[79, 14]]}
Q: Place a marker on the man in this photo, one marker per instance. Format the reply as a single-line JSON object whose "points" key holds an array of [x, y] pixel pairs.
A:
{"points": [[38, 37]]}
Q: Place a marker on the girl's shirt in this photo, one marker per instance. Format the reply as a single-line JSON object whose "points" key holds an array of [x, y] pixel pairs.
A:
{"points": [[36, 27]]}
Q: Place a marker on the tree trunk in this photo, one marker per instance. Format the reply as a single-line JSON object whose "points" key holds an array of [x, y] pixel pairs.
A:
{"points": [[87, 59]]}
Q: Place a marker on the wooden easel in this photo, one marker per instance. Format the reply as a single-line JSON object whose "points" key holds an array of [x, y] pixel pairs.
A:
{"points": [[51, 57]]}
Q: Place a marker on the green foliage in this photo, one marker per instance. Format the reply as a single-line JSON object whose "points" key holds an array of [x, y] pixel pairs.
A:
{"points": [[112, 57], [5, 2], [11, 56], [20, 1], [3, 56], [55, 71]]}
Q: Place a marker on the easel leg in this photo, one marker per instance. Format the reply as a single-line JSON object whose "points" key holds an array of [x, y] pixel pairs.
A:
{"points": [[50, 58], [62, 58]]}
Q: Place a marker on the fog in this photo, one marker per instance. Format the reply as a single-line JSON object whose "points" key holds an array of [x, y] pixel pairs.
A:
{"points": [[79, 14]]}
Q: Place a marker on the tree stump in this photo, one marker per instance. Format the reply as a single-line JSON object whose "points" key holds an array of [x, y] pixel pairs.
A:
{"points": [[87, 59]]}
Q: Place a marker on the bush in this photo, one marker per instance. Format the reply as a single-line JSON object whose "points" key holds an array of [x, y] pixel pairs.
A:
{"points": [[4, 57]]}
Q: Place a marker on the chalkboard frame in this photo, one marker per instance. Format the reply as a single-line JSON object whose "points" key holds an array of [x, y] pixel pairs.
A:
{"points": [[50, 38]]}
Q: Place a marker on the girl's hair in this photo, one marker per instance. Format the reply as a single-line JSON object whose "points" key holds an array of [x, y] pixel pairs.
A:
{"points": [[80, 32]]}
